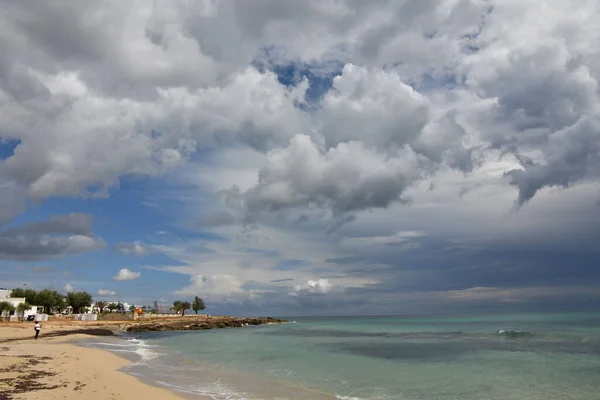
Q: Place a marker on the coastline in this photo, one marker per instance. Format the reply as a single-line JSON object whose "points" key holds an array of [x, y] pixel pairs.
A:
{"points": [[54, 368], [64, 363]]}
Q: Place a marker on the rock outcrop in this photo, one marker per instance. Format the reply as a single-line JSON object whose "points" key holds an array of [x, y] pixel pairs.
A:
{"points": [[195, 323]]}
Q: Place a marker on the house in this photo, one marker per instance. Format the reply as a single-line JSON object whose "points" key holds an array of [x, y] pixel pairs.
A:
{"points": [[62, 310], [4, 293], [16, 301]]}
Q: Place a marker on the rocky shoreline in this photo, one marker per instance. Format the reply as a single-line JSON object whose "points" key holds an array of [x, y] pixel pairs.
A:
{"points": [[53, 329], [194, 324]]}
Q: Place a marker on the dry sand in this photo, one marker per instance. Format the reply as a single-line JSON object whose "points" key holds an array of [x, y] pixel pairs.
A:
{"points": [[51, 368]]}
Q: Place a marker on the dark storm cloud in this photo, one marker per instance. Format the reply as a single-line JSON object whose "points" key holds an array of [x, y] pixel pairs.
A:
{"points": [[60, 235], [73, 224]]}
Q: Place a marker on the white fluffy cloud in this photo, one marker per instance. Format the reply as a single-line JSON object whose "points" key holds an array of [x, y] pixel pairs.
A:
{"points": [[90, 142], [349, 177], [69, 288], [125, 274], [91, 108], [374, 107], [319, 286], [106, 292]]}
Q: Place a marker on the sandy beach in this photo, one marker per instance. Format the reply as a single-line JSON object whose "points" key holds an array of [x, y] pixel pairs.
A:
{"points": [[51, 368]]}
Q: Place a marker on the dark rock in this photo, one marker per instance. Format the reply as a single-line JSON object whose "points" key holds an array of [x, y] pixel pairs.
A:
{"points": [[187, 324]]}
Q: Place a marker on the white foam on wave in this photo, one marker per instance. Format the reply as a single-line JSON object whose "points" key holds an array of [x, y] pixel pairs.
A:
{"points": [[215, 391], [340, 397], [132, 345], [147, 354], [122, 345]]}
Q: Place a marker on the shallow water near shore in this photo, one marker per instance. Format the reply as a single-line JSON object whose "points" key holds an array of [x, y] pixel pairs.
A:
{"points": [[502, 357]]}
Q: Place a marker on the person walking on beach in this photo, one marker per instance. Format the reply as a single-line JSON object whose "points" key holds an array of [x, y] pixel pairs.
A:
{"points": [[37, 329]]}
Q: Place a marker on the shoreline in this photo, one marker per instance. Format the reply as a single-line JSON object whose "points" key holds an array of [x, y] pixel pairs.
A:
{"points": [[59, 365], [55, 368], [208, 380]]}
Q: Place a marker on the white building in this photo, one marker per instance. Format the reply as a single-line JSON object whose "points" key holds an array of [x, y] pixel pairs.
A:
{"points": [[16, 301]]}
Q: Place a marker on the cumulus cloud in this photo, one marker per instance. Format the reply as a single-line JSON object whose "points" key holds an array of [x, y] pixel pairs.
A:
{"points": [[349, 177], [135, 248], [223, 288], [319, 286], [125, 274], [66, 109], [11, 197], [372, 106], [74, 223], [328, 109], [61, 235], [106, 292], [544, 91], [69, 288]]}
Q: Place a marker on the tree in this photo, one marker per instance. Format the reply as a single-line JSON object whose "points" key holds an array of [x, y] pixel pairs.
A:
{"points": [[132, 308], [181, 306], [50, 298], [198, 304], [101, 304], [79, 300], [186, 305], [113, 306], [29, 294], [61, 302], [21, 308], [5, 306], [177, 305], [156, 307]]}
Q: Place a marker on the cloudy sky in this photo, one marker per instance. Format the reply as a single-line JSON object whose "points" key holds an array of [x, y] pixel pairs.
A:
{"points": [[302, 158]]}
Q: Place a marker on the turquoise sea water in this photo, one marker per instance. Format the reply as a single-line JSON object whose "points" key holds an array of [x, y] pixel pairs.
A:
{"points": [[496, 357]]}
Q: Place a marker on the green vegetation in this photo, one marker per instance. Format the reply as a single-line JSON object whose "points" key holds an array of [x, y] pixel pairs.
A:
{"points": [[5, 306], [101, 304], [198, 304], [181, 306], [21, 308], [79, 300], [29, 294], [50, 299]]}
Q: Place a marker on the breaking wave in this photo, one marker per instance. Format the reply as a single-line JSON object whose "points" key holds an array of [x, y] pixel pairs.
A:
{"points": [[515, 333]]}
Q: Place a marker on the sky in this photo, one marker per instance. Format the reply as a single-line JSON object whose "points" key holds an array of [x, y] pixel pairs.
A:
{"points": [[323, 157]]}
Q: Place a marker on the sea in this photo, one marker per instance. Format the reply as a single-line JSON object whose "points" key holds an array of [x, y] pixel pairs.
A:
{"points": [[480, 357]]}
